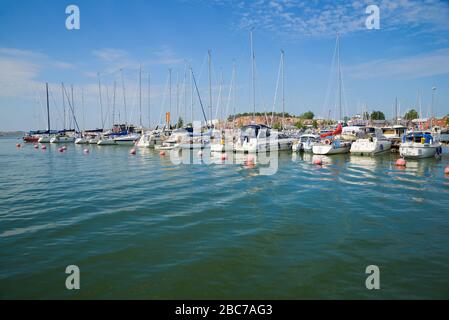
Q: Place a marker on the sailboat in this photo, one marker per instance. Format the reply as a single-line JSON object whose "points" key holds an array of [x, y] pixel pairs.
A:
{"points": [[45, 138], [373, 143]]}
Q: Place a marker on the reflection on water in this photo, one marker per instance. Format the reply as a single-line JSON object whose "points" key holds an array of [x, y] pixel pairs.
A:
{"points": [[141, 226]]}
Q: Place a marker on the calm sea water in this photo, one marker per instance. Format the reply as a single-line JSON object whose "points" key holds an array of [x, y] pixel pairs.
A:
{"points": [[142, 227]]}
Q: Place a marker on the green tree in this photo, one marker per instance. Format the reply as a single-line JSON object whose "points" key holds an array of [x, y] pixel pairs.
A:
{"points": [[307, 115], [377, 115], [277, 126], [315, 124], [299, 124], [180, 123], [411, 115]]}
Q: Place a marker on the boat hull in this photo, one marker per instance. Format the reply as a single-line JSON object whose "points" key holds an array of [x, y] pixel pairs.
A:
{"points": [[106, 142], [418, 150], [365, 146], [329, 149]]}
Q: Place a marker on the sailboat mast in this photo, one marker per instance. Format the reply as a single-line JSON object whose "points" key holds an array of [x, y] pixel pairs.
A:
{"points": [[101, 101], [169, 90], [149, 100], [191, 95], [124, 97], [63, 105], [210, 86], [253, 74], [177, 95], [48, 109], [396, 111], [339, 77], [73, 107], [113, 103], [140, 96], [283, 89]]}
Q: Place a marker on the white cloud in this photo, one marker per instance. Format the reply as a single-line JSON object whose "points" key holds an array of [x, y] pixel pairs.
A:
{"points": [[424, 65], [323, 18]]}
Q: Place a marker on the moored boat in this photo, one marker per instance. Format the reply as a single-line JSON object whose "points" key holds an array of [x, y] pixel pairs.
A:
{"points": [[419, 144]]}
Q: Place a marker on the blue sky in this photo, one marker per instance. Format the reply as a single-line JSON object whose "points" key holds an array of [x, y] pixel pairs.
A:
{"points": [[410, 52]]}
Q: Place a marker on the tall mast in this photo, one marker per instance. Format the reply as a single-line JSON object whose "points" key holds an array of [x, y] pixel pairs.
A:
{"points": [[101, 101], [191, 95], [73, 106], [185, 93], [113, 103], [124, 97], [253, 74], [48, 109], [396, 111], [149, 100], [339, 77], [82, 107], [432, 106], [210, 86], [169, 90], [63, 104], [283, 90], [177, 95], [140, 95]]}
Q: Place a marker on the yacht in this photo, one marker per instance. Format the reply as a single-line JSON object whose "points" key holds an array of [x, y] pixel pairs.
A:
{"points": [[259, 138], [332, 144], [372, 143], [305, 143], [174, 140], [419, 144], [62, 138], [154, 137]]}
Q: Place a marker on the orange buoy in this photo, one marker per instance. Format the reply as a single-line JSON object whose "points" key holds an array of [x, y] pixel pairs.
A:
{"points": [[18, 145], [401, 162], [60, 149], [133, 151], [36, 146], [446, 170], [318, 161], [250, 158], [224, 156], [86, 151], [162, 153], [44, 147]]}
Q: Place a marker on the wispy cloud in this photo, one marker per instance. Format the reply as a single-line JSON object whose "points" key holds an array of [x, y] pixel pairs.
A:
{"points": [[424, 65], [323, 18]]}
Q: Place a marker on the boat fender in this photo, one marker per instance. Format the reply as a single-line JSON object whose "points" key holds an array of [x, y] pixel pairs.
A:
{"points": [[327, 141]]}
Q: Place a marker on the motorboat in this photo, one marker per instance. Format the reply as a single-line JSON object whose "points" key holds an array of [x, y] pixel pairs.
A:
{"points": [[175, 139], [372, 143], [151, 138], [419, 144], [256, 138], [331, 143], [62, 138], [305, 142], [129, 139]]}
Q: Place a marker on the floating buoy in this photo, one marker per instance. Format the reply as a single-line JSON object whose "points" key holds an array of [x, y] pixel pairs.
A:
{"points": [[401, 162], [60, 149], [18, 145], [36, 146], [446, 170], [250, 158], [224, 156], [200, 154], [133, 151], [318, 161], [44, 147], [162, 153], [86, 151]]}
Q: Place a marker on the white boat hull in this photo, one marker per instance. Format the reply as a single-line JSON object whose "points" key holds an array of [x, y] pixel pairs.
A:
{"points": [[106, 142], [329, 149], [44, 140], [81, 141], [62, 140], [366, 146], [417, 150]]}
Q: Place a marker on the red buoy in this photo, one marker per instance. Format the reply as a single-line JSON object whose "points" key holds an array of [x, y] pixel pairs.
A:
{"points": [[44, 147], [36, 146], [224, 156], [133, 151], [318, 161], [401, 162], [446, 170], [162, 153], [86, 151], [60, 149], [18, 145]]}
